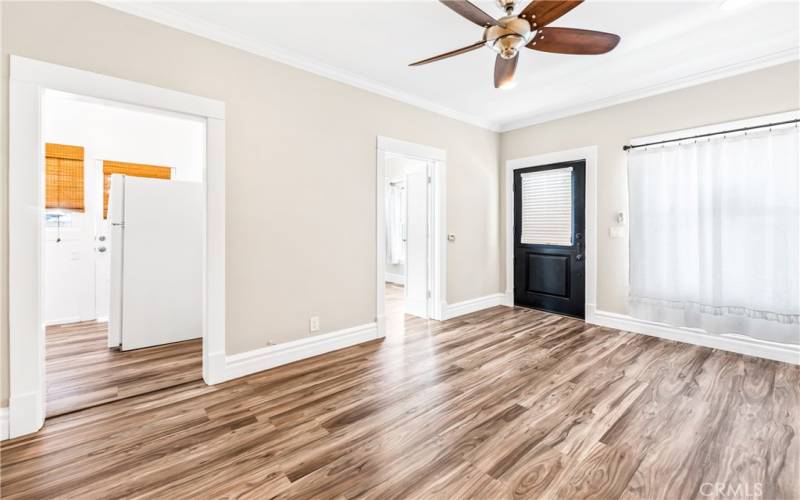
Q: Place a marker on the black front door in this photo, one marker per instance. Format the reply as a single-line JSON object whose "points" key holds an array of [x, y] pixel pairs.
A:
{"points": [[549, 238]]}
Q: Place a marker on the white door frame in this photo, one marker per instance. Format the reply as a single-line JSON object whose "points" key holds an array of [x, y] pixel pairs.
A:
{"points": [[437, 247], [28, 81], [589, 155]]}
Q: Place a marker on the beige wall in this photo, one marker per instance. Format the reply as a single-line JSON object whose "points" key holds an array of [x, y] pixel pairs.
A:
{"points": [[301, 166], [300, 169], [761, 92]]}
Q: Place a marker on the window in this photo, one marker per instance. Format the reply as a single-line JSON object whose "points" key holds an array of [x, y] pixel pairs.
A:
{"points": [[57, 219], [132, 169], [64, 177], [714, 232], [547, 207]]}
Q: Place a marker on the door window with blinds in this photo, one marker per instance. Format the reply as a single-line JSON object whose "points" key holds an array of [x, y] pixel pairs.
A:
{"points": [[546, 211], [64, 177], [132, 169]]}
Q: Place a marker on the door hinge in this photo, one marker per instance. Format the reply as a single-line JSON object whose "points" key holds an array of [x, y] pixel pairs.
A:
{"points": [[429, 179], [429, 294]]}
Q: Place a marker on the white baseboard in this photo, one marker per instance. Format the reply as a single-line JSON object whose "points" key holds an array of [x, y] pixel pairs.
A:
{"points": [[733, 343], [25, 414], [473, 305], [3, 423], [239, 365], [398, 279], [416, 307], [74, 319], [63, 321]]}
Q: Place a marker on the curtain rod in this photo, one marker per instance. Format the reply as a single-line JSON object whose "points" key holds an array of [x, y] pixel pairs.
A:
{"points": [[743, 129]]}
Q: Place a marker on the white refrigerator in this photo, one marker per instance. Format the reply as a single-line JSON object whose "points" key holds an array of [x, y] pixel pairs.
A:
{"points": [[156, 261]]}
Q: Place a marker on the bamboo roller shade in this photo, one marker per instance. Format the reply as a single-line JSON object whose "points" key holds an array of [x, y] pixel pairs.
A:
{"points": [[132, 169], [64, 177]]}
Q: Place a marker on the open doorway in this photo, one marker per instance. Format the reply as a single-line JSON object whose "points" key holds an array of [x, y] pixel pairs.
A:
{"points": [[28, 81], [410, 233], [122, 250], [407, 237]]}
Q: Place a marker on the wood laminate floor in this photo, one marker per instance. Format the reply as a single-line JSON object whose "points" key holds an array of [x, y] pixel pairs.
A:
{"points": [[82, 371], [503, 403]]}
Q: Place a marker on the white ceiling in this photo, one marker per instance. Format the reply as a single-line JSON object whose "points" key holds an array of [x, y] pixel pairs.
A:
{"points": [[664, 45]]}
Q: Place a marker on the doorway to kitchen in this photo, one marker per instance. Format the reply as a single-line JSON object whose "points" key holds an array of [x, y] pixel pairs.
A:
{"points": [[29, 80], [122, 250]]}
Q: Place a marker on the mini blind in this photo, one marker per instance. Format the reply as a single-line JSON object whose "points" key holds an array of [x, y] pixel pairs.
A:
{"points": [[547, 207], [132, 169], [64, 177]]}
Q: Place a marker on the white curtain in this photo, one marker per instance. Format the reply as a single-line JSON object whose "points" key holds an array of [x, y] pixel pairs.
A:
{"points": [[394, 223], [715, 234]]}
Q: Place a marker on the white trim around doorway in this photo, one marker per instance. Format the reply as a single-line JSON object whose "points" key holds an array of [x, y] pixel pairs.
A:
{"points": [[28, 80], [437, 251], [589, 155]]}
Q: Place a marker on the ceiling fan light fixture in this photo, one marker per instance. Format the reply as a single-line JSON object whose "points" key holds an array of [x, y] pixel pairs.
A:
{"points": [[508, 53], [508, 85], [506, 5], [506, 36], [508, 46]]}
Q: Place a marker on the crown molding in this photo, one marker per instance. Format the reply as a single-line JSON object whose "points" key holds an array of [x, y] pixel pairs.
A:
{"points": [[773, 59], [168, 17], [164, 15]]}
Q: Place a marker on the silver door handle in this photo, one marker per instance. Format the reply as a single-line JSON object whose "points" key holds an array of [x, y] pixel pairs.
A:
{"points": [[101, 249]]}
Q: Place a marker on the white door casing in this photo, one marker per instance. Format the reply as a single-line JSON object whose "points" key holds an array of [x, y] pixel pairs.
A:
{"points": [[28, 80], [437, 158]]}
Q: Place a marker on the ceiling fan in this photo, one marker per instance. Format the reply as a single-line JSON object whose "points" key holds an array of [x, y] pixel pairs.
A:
{"points": [[507, 35]]}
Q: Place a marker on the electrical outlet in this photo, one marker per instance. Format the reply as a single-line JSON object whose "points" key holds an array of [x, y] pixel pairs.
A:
{"points": [[313, 324]]}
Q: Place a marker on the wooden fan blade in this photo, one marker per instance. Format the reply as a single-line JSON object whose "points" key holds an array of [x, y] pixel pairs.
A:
{"points": [[504, 70], [573, 41], [452, 53], [544, 12], [469, 11]]}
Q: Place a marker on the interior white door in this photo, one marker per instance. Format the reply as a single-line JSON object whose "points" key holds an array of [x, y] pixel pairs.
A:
{"points": [[162, 262], [416, 289]]}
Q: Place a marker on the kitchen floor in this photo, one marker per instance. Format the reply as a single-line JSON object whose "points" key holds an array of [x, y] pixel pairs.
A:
{"points": [[83, 372]]}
